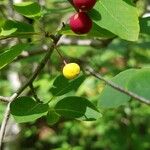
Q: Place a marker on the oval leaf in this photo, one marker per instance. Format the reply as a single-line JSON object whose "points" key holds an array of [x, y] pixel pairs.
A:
{"points": [[12, 27], [28, 9], [90, 115], [25, 109], [9, 55], [117, 16], [110, 97], [140, 83], [62, 85], [52, 117], [73, 107]]}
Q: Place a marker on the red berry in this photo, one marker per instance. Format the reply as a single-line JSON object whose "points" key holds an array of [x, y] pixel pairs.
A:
{"points": [[84, 5], [80, 23]]}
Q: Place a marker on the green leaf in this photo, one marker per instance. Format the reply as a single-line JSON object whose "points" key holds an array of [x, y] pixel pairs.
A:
{"points": [[52, 117], [28, 9], [140, 83], [100, 32], [25, 109], [9, 55], [73, 107], [7, 32], [96, 31], [62, 85], [117, 16], [12, 27], [145, 25], [90, 115], [110, 97]]}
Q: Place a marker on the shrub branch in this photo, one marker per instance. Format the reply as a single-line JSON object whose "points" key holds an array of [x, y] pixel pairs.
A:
{"points": [[117, 87], [24, 86]]}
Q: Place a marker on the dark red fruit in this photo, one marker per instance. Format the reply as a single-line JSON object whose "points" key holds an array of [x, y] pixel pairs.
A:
{"points": [[84, 5], [80, 23]]}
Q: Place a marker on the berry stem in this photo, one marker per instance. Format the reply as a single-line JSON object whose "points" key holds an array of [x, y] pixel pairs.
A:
{"points": [[70, 1], [61, 56]]}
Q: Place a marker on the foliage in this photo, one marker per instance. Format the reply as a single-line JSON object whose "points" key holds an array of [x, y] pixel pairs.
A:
{"points": [[75, 114]]}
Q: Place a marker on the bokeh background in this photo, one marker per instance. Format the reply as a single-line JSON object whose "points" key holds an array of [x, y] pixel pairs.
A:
{"points": [[124, 128]]}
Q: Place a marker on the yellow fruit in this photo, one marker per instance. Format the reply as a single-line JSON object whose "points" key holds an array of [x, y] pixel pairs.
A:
{"points": [[71, 70]]}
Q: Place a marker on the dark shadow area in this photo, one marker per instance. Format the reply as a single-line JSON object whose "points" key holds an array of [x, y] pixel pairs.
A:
{"points": [[130, 2], [95, 15]]}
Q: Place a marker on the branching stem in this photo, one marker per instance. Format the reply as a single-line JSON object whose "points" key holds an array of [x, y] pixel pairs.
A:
{"points": [[117, 87]]}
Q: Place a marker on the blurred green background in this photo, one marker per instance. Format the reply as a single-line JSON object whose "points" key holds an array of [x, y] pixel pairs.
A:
{"points": [[125, 128]]}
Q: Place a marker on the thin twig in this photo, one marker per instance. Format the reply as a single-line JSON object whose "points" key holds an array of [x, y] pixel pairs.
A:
{"points": [[5, 119], [31, 79], [117, 87], [4, 123], [10, 8], [28, 54], [38, 69], [4, 99], [61, 56], [67, 42], [71, 2], [34, 93]]}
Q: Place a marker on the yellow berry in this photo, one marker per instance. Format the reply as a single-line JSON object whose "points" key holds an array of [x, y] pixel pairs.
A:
{"points": [[71, 70]]}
